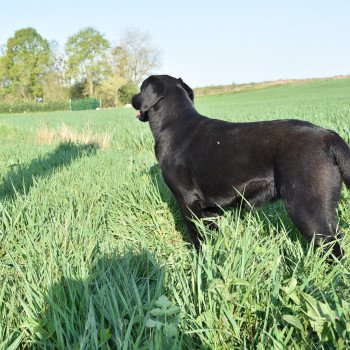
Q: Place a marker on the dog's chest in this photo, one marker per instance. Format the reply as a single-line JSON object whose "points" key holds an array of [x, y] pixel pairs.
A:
{"points": [[161, 148]]}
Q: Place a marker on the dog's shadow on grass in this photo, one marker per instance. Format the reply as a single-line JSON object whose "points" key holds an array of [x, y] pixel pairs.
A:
{"points": [[21, 177], [111, 308]]}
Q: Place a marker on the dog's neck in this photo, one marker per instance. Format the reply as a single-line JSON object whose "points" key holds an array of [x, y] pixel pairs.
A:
{"points": [[170, 114], [169, 118]]}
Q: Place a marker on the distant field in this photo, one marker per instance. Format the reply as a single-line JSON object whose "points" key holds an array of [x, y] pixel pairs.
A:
{"points": [[94, 254], [237, 88]]}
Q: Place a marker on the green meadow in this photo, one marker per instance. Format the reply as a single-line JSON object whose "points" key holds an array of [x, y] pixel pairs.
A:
{"points": [[94, 253]]}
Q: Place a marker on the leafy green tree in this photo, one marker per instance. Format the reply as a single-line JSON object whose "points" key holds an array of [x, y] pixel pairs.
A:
{"points": [[26, 61], [86, 57], [77, 89], [119, 62], [107, 90], [3, 80], [126, 92], [55, 86]]}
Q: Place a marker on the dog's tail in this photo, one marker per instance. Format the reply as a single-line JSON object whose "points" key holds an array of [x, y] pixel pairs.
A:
{"points": [[341, 153]]}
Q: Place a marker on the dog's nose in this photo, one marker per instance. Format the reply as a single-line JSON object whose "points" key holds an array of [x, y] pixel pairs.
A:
{"points": [[134, 102]]}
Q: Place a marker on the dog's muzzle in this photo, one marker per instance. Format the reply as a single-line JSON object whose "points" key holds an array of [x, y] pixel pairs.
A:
{"points": [[142, 116]]}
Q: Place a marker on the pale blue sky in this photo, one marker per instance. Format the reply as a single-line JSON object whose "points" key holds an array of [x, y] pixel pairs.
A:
{"points": [[208, 42]]}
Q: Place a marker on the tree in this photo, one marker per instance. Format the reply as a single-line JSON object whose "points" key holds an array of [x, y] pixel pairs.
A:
{"points": [[136, 57], [86, 57], [126, 92], [107, 90], [55, 86], [3, 80], [27, 59]]}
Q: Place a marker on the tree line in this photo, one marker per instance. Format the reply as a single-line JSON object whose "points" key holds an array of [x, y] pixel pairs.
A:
{"points": [[35, 69]]}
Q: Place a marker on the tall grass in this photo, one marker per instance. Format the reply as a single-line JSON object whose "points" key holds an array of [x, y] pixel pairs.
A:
{"points": [[94, 254]]}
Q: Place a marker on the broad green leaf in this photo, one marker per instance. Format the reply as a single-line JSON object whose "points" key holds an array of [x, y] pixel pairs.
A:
{"points": [[154, 324], [294, 321], [170, 330], [163, 302]]}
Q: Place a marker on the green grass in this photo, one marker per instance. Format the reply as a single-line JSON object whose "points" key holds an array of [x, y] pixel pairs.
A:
{"points": [[94, 254], [238, 88]]}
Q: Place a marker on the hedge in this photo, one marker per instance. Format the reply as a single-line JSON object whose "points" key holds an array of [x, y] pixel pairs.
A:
{"points": [[85, 103], [26, 107]]}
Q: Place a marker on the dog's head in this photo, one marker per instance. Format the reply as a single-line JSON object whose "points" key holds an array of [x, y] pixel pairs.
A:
{"points": [[154, 89]]}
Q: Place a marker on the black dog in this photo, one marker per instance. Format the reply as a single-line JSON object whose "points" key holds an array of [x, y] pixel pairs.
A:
{"points": [[208, 164]]}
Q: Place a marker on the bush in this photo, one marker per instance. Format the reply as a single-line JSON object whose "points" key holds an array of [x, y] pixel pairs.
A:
{"points": [[77, 90], [85, 103], [126, 92], [27, 107]]}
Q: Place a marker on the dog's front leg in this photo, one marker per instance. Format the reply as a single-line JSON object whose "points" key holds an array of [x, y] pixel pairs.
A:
{"points": [[188, 200], [191, 228], [190, 211]]}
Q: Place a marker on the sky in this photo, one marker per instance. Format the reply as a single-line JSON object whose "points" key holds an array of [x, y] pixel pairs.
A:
{"points": [[207, 42]]}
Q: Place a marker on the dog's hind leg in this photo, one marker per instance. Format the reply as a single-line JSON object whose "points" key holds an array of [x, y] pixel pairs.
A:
{"points": [[309, 183], [315, 217], [320, 225]]}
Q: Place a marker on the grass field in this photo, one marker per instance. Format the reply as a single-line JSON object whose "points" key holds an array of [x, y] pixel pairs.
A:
{"points": [[94, 254]]}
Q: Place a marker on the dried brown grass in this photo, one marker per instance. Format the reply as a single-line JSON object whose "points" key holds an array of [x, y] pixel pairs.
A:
{"points": [[47, 136]]}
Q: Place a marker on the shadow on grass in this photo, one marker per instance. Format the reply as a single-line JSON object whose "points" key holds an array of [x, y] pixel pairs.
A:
{"points": [[20, 178], [119, 305]]}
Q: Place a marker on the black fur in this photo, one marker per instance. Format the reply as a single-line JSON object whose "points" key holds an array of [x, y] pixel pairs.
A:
{"points": [[208, 163]]}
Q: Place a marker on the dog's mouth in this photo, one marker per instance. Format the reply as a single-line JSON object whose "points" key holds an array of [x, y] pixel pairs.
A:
{"points": [[142, 116]]}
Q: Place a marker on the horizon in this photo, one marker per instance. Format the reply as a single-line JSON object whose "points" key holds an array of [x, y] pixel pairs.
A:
{"points": [[208, 44], [287, 80]]}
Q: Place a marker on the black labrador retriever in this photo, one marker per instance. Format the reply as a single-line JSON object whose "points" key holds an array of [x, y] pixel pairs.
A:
{"points": [[209, 164]]}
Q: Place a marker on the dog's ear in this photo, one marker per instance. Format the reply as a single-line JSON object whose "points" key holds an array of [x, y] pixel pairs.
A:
{"points": [[189, 91], [151, 93]]}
